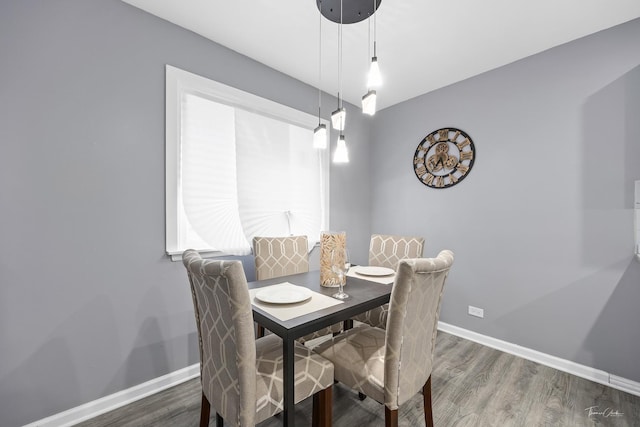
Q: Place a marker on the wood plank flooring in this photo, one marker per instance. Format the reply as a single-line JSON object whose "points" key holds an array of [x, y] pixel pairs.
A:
{"points": [[472, 386]]}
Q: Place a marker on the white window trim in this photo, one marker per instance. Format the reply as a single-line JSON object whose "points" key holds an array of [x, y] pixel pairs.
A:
{"points": [[179, 81]]}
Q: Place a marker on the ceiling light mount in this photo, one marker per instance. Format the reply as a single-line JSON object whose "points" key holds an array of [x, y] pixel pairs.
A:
{"points": [[353, 10]]}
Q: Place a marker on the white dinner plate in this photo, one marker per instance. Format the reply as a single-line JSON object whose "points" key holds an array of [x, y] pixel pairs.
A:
{"points": [[371, 270], [284, 293]]}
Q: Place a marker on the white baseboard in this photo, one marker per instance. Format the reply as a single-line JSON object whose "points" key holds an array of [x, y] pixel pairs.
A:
{"points": [[108, 403], [631, 387], [564, 365]]}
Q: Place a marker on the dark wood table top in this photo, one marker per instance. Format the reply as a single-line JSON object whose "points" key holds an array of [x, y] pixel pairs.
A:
{"points": [[363, 295]]}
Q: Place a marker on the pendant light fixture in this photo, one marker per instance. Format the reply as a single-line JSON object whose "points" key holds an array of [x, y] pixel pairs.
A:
{"points": [[341, 154], [320, 136], [369, 103], [356, 11], [320, 133], [339, 117], [369, 99], [375, 78]]}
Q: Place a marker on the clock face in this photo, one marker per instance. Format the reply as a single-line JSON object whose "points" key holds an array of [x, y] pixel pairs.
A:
{"points": [[444, 158]]}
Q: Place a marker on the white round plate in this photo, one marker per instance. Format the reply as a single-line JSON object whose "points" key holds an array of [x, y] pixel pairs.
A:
{"points": [[370, 270], [283, 294]]}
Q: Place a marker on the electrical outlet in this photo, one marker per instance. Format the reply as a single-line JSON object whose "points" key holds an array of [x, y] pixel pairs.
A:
{"points": [[475, 311]]}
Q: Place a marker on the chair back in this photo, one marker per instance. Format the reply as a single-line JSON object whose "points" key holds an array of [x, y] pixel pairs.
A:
{"points": [[225, 333], [386, 250], [280, 256], [412, 324]]}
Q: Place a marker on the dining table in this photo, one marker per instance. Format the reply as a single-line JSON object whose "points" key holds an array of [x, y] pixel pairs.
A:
{"points": [[363, 294]]}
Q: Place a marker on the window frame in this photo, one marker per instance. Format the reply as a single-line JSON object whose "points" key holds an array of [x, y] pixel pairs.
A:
{"points": [[179, 81]]}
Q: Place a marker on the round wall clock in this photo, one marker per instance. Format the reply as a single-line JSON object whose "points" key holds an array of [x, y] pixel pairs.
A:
{"points": [[444, 158]]}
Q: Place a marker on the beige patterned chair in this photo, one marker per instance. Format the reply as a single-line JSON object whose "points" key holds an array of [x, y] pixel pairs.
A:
{"points": [[241, 376], [387, 251], [282, 256], [392, 366]]}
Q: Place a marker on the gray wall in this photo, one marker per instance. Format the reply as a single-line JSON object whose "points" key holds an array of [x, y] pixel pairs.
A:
{"points": [[89, 302], [542, 227]]}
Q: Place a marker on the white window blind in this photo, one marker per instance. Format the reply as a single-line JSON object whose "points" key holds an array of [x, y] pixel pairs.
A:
{"points": [[243, 169]]}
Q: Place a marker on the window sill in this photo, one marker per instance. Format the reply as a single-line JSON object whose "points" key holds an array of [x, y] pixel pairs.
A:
{"points": [[205, 253], [210, 253]]}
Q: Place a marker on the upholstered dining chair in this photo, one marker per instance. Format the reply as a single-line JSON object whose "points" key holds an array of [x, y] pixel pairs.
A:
{"points": [[282, 256], [242, 377], [394, 365], [387, 251]]}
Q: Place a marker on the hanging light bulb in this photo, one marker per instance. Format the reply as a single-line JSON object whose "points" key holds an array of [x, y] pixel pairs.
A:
{"points": [[375, 78], [369, 103], [338, 117], [341, 154], [320, 137]]}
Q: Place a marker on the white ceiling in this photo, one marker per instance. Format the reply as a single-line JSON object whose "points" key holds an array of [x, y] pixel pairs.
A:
{"points": [[422, 45]]}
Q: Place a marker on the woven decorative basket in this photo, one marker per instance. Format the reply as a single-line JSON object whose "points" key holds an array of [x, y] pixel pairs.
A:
{"points": [[330, 240]]}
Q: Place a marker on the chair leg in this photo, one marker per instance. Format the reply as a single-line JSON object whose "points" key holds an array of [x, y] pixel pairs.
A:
{"points": [[322, 408], [259, 331], [390, 417], [428, 409], [219, 420], [205, 409], [315, 411]]}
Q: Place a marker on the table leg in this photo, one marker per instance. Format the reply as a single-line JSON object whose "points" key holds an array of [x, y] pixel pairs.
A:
{"points": [[288, 375]]}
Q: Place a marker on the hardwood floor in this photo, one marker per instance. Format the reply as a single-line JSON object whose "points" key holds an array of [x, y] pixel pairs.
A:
{"points": [[472, 386]]}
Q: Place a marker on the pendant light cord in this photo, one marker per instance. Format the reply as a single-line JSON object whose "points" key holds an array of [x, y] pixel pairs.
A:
{"points": [[369, 35], [340, 50], [320, 65], [375, 26]]}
